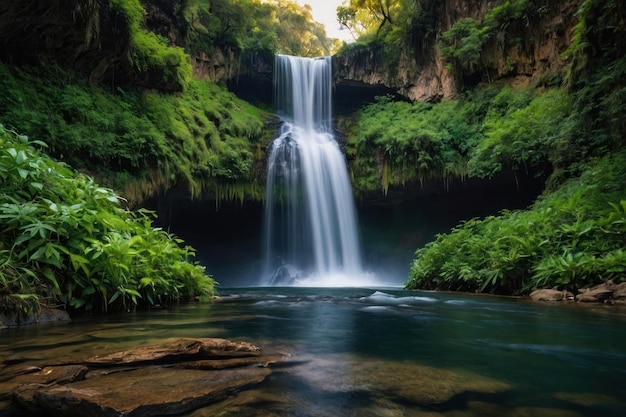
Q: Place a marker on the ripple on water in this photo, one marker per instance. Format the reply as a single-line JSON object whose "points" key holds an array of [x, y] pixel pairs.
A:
{"points": [[380, 297], [376, 309]]}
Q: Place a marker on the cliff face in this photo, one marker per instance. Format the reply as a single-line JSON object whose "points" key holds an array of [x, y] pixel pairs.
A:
{"points": [[91, 37], [81, 36], [522, 50]]}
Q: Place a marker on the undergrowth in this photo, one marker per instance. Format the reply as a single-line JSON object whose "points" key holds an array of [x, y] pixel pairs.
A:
{"points": [[65, 240]]}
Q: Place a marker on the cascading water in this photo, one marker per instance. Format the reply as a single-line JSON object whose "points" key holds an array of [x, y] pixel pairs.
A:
{"points": [[311, 233]]}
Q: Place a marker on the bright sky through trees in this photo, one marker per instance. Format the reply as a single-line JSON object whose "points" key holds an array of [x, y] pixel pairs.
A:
{"points": [[325, 12]]}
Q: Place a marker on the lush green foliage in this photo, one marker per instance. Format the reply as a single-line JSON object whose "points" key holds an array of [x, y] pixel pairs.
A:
{"points": [[481, 134], [391, 28], [151, 54], [575, 236], [521, 132], [570, 239], [138, 142], [64, 239], [463, 44], [266, 28], [597, 78]]}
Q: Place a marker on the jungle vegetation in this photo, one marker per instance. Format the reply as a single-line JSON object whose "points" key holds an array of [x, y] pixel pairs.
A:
{"points": [[567, 127], [139, 142], [108, 90], [64, 240], [119, 100]]}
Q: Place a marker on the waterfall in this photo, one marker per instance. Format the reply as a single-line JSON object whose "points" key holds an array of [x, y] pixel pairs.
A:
{"points": [[310, 223]]}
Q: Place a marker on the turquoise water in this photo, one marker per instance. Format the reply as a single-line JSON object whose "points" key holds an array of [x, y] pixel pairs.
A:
{"points": [[496, 356]]}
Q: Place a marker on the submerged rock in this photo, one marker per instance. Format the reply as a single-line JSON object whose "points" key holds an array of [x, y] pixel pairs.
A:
{"points": [[404, 381], [173, 350], [142, 392], [171, 378]]}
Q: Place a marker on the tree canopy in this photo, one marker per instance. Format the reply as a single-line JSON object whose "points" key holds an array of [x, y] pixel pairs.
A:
{"points": [[275, 26]]}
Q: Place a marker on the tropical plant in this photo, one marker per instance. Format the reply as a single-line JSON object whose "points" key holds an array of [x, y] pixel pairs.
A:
{"points": [[570, 239], [485, 132], [66, 240]]}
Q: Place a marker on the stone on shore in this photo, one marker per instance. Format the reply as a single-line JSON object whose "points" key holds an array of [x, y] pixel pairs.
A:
{"points": [[607, 292], [598, 293], [546, 294]]}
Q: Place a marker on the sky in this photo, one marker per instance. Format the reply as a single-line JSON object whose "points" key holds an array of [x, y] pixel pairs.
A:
{"points": [[325, 12]]}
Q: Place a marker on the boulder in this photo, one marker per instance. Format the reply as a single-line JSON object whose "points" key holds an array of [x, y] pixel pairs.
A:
{"points": [[619, 291], [599, 293], [546, 294]]}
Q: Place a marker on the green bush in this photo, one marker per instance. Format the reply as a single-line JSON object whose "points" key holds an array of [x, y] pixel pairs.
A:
{"points": [[66, 240], [151, 55], [485, 132], [571, 238], [521, 132]]}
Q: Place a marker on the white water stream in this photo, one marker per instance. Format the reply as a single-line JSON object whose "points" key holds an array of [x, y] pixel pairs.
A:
{"points": [[311, 234]]}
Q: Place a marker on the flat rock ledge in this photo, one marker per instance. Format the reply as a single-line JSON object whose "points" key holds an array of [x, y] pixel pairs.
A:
{"points": [[608, 292], [175, 377]]}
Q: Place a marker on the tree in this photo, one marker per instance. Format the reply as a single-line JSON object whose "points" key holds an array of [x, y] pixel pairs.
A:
{"points": [[368, 16]]}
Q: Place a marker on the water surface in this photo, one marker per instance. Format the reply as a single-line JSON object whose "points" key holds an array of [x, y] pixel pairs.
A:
{"points": [[383, 352]]}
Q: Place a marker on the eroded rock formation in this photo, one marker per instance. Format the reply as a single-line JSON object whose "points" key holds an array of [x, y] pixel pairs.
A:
{"points": [[524, 51]]}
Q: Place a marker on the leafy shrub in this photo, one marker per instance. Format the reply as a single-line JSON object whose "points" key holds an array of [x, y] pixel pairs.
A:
{"points": [[151, 54], [521, 132], [485, 132], [64, 239], [571, 238]]}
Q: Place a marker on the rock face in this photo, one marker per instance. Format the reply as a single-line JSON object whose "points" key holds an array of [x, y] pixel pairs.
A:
{"points": [[171, 378], [524, 50]]}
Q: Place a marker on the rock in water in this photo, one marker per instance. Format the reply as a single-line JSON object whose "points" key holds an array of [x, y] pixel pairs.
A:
{"points": [[175, 350], [144, 392], [171, 378]]}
